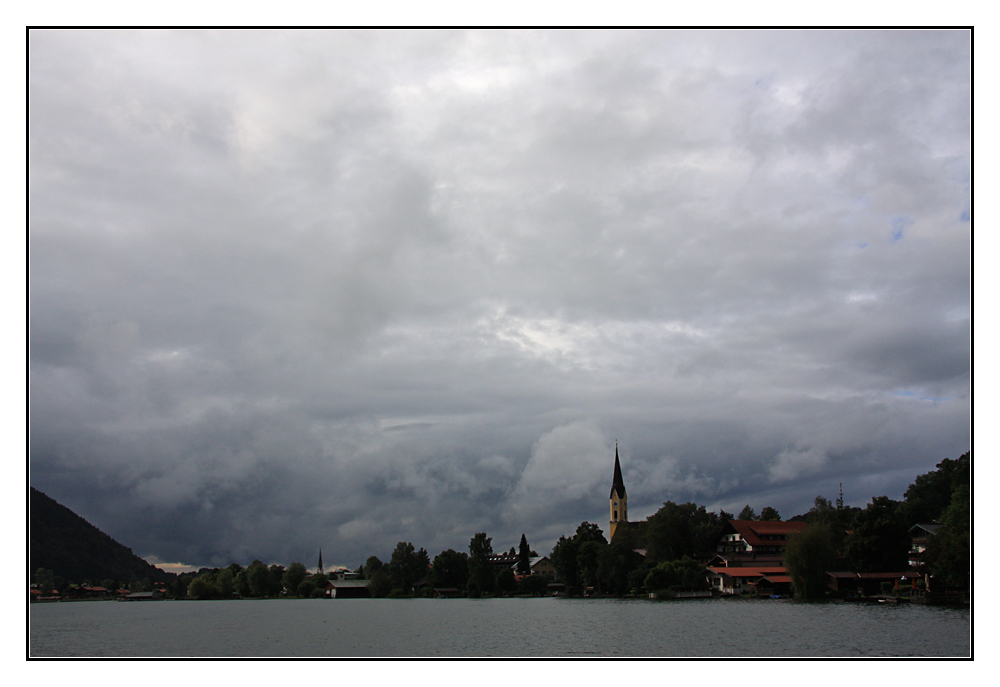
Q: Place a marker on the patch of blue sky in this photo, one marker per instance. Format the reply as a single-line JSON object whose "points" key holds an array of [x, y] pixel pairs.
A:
{"points": [[965, 216], [898, 225]]}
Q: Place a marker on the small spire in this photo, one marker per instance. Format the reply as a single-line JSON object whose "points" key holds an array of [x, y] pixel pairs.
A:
{"points": [[617, 483]]}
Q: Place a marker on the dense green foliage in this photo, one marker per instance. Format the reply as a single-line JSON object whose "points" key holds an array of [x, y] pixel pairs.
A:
{"points": [[451, 569], [524, 557], [74, 550], [880, 539], [930, 494], [293, 577], [481, 575], [406, 566], [809, 554], [678, 530], [684, 574]]}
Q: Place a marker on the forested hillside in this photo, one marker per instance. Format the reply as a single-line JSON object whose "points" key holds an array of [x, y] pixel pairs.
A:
{"points": [[72, 548]]}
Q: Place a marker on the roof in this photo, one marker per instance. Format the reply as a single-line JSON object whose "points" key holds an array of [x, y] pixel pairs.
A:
{"points": [[929, 527], [750, 572], [344, 584], [888, 575], [752, 530], [617, 484], [778, 579]]}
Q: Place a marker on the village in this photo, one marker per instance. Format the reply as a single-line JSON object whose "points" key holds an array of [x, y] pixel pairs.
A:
{"points": [[682, 551]]}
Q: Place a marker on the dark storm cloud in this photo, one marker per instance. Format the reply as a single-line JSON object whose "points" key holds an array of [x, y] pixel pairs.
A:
{"points": [[292, 290]]}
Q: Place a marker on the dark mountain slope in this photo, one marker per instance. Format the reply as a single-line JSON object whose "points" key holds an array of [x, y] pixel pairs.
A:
{"points": [[72, 548]]}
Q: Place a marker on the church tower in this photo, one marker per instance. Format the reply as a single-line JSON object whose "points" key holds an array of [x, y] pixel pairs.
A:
{"points": [[619, 500]]}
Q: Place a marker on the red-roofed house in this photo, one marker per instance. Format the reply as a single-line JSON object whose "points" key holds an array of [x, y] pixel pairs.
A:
{"points": [[759, 541], [743, 580]]}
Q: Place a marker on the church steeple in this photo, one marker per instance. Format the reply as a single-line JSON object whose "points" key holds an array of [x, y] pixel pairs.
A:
{"points": [[618, 498]]}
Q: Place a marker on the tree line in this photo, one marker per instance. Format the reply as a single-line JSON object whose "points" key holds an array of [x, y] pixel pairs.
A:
{"points": [[876, 539], [677, 540]]}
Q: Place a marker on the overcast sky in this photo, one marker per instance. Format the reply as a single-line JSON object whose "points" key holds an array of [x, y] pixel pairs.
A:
{"points": [[304, 290]]}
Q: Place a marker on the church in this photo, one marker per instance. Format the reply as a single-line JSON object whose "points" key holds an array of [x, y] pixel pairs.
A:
{"points": [[618, 499]]}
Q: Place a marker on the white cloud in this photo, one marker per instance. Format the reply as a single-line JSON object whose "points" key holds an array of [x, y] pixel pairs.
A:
{"points": [[793, 463]]}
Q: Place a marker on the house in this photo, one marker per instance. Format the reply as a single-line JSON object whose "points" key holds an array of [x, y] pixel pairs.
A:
{"points": [[540, 565], [921, 534], [842, 582], [745, 580], [870, 584], [347, 589], [774, 585], [501, 561], [756, 541]]}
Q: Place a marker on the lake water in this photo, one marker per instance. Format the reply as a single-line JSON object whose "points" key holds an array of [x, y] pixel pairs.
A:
{"points": [[544, 627]]}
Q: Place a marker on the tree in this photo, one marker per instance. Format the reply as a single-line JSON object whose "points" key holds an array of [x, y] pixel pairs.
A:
{"points": [[259, 579], [588, 531], [202, 588], [43, 580], [241, 584], [809, 554], [451, 569], [224, 583], [747, 513], [276, 579], [588, 556], [677, 575], [948, 556], [931, 493], [524, 557], [564, 560], [293, 577], [180, 586], [880, 541], [678, 530], [481, 578], [618, 560], [769, 514], [372, 565], [306, 588], [575, 565], [404, 567], [535, 585], [837, 519], [505, 581], [379, 584]]}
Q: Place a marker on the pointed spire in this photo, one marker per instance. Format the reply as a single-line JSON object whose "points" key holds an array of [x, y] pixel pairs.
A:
{"points": [[321, 561], [617, 483]]}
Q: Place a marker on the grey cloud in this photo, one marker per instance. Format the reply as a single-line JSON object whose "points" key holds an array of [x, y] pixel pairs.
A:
{"points": [[340, 289]]}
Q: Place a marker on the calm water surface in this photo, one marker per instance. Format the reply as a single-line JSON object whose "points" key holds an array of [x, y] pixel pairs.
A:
{"points": [[494, 628]]}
